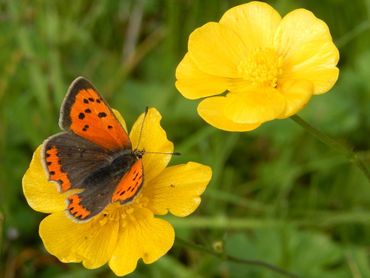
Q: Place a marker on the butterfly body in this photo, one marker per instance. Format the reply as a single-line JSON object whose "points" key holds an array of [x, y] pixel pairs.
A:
{"points": [[118, 164], [94, 154]]}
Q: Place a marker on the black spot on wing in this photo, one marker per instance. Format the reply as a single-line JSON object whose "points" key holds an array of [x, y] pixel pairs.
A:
{"points": [[122, 192], [85, 128], [102, 114], [77, 85]]}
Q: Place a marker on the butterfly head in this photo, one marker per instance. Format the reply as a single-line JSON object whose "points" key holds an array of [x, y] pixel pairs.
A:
{"points": [[138, 153]]}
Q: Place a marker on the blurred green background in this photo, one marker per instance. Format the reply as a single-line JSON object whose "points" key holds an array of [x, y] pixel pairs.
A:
{"points": [[277, 194]]}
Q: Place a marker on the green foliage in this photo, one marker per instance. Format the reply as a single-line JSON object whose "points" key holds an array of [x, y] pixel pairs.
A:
{"points": [[277, 193]]}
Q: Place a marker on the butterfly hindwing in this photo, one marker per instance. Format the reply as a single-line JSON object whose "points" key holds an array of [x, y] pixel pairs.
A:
{"points": [[85, 113], [92, 200], [120, 182], [131, 183]]}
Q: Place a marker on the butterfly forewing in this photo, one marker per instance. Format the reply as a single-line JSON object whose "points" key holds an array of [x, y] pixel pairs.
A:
{"points": [[86, 114], [70, 159]]}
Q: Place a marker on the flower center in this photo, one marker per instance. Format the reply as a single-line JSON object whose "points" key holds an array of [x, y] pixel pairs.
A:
{"points": [[121, 213], [262, 67]]}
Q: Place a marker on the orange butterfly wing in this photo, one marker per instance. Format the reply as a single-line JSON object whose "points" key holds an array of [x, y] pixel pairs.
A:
{"points": [[130, 184], [75, 208], [54, 167], [85, 113]]}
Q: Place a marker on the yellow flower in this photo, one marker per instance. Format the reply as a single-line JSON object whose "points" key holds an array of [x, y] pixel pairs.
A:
{"points": [[268, 66], [121, 234]]}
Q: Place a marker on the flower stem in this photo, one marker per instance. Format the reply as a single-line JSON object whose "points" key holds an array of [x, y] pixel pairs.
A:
{"points": [[223, 256], [327, 140]]}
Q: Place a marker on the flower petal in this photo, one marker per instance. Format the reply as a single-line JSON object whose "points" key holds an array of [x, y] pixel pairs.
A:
{"points": [[308, 51], [91, 243], [212, 111], [144, 237], [216, 50], [193, 83], [152, 138], [120, 118], [297, 93], [254, 22], [41, 194], [177, 189], [254, 106]]}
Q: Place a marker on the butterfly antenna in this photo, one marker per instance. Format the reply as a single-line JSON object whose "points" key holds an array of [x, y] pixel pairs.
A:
{"points": [[142, 127], [173, 153], [140, 135]]}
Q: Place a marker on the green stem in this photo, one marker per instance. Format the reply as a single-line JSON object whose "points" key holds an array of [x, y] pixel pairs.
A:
{"points": [[327, 140], [223, 256]]}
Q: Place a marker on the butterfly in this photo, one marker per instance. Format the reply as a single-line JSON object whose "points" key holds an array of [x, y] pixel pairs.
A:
{"points": [[92, 153]]}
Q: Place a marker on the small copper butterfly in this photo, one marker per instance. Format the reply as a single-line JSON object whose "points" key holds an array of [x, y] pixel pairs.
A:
{"points": [[93, 153]]}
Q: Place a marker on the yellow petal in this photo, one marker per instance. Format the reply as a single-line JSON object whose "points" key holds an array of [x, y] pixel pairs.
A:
{"points": [[321, 79], [216, 50], [91, 243], [305, 44], [144, 237], [178, 188], [41, 194], [255, 106], [193, 83], [212, 111], [153, 139], [254, 22], [297, 93], [120, 118]]}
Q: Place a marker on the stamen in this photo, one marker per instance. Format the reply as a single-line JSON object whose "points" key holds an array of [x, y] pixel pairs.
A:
{"points": [[262, 67]]}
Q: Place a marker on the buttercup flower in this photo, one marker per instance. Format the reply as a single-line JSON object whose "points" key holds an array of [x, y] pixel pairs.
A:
{"points": [[261, 66], [120, 234]]}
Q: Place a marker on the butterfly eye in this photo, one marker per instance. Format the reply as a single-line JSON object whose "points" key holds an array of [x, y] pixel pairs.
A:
{"points": [[139, 154]]}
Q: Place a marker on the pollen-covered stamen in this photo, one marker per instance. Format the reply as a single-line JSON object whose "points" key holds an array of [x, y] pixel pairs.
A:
{"points": [[117, 212], [111, 213], [262, 67]]}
